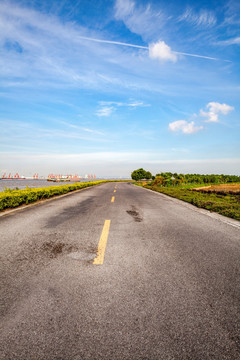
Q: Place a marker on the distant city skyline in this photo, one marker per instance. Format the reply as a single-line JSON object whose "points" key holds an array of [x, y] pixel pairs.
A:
{"points": [[105, 87]]}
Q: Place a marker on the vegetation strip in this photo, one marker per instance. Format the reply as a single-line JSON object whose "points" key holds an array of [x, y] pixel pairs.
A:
{"points": [[217, 196], [13, 198], [227, 205]]}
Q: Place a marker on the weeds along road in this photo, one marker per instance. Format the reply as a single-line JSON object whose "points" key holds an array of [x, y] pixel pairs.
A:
{"points": [[118, 272]]}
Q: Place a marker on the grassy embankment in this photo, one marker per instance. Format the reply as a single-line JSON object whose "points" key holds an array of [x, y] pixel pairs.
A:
{"points": [[13, 198], [223, 199]]}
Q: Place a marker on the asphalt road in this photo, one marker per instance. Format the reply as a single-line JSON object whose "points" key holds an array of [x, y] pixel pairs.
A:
{"points": [[168, 288]]}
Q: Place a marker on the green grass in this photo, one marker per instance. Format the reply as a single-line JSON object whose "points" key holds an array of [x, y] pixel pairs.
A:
{"points": [[227, 204], [13, 198]]}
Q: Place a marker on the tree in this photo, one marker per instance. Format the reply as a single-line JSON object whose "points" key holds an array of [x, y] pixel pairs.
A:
{"points": [[140, 174], [148, 175]]}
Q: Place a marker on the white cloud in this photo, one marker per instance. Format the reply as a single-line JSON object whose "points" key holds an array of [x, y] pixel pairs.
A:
{"points": [[184, 126], [232, 41], [189, 127], [142, 20], [124, 8], [105, 111], [232, 14], [39, 49], [203, 18], [109, 103], [103, 41], [161, 51], [215, 109], [136, 104], [212, 117], [26, 132], [80, 128], [107, 107]]}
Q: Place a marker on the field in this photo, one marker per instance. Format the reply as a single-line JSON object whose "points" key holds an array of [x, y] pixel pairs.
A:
{"points": [[223, 199], [220, 189]]}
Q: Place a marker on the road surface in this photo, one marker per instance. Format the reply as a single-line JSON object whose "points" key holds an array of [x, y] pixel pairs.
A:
{"points": [[117, 272]]}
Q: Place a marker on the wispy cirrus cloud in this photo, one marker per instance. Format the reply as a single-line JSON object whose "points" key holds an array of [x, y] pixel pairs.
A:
{"points": [[80, 128], [158, 50], [135, 104], [147, 22], [230, 24], [105, 111], [108, 107], [28, 132], [232, 14], [231, 41], [202, 18], [41, 51], [140, 19], [131, 103]]}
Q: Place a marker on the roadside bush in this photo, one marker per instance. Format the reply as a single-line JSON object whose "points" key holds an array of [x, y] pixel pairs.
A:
{"points": [[225, 204], [13, 198]]}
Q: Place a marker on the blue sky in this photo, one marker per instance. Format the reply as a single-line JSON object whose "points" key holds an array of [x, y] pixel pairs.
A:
{"points": [[106, 87]]}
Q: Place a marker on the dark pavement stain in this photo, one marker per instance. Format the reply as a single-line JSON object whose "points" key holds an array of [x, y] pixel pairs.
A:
{"points": [[53, 249], [68, 213], [135, 214]]}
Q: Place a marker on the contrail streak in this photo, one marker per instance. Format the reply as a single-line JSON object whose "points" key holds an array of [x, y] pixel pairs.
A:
{"points": [[145, 47], [195, 55], [112, 42]]}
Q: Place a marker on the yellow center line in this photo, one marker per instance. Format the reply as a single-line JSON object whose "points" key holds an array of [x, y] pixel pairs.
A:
{"points": [[115, 190], [102, 244], [113, 198]]}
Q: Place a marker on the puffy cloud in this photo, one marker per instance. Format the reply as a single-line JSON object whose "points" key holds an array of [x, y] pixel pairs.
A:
{"points": [[212, 117], [214, 109], [184, 126], [160, 50], [221, 108], [189, 127]]}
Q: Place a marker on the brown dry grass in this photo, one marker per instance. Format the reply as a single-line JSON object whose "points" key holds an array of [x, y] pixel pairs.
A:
{"points": [[222, 188]]}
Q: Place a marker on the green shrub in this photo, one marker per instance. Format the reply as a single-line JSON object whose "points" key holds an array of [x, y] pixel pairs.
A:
{"points": [[11, 198], [225, 204]]}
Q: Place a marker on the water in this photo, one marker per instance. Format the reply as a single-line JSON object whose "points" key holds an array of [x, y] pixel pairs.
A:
{"points": [[22, 184]]}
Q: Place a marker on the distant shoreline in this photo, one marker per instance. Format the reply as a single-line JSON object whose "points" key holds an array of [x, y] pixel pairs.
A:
{"points": [[32, 183], [36, 183]]}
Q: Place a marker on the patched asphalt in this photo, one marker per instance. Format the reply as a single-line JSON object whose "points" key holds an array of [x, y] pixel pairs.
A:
{"points": [[168, 288]]}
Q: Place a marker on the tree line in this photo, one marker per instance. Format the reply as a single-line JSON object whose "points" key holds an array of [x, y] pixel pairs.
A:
{"points": [[171, 179]]}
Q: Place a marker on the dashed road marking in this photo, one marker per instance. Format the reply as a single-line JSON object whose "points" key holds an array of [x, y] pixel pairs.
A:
{"points": [[113, 198], [102, 244]]}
